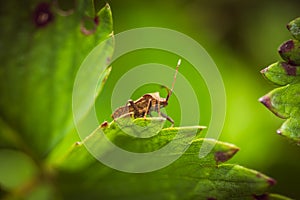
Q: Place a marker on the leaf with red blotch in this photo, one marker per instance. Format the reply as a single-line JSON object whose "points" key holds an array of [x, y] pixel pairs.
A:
{"points": [[284, 101], [188, 177]]}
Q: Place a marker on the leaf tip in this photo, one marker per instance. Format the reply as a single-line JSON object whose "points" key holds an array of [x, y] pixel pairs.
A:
{"points": [[271, 181], [288, 26], [263, 71], [294, 28], [279, 132], [107, 6], [266, 101], [223, 156]]}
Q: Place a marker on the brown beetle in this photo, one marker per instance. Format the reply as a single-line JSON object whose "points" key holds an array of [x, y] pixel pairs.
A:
{"points": [[146, 104]]}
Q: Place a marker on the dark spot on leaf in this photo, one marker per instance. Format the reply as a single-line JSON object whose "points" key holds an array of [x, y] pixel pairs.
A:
{"points": [[221, 156], [96, 20], [42, 14], [289, 69], [271, 181], [77, 143], [266, 101], [261, 197], [211, 198], [263, 71], [286, 47], [104, 124], [108, 60]]}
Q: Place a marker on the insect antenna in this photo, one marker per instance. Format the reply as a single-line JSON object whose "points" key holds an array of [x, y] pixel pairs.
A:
{"points": [[171, 91]]}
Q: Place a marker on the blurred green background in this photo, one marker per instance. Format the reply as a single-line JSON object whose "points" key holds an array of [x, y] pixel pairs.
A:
{"points": [[242, 37]]}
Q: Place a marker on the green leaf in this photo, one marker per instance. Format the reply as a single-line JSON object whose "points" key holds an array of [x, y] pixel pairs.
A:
{"points": [[11, 160], [285, 101], [44, 47], [290, 52], [69, 139], [294, 28], [282, 73], [39, 68], [121, 138], [291, 129], [277, 197], [189, 177]]}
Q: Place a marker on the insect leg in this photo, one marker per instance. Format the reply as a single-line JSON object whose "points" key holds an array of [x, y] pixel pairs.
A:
{"points": [[130, 114], [158, 108], [135, 108], [148, 108], [133, 105], [168, 118]]}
